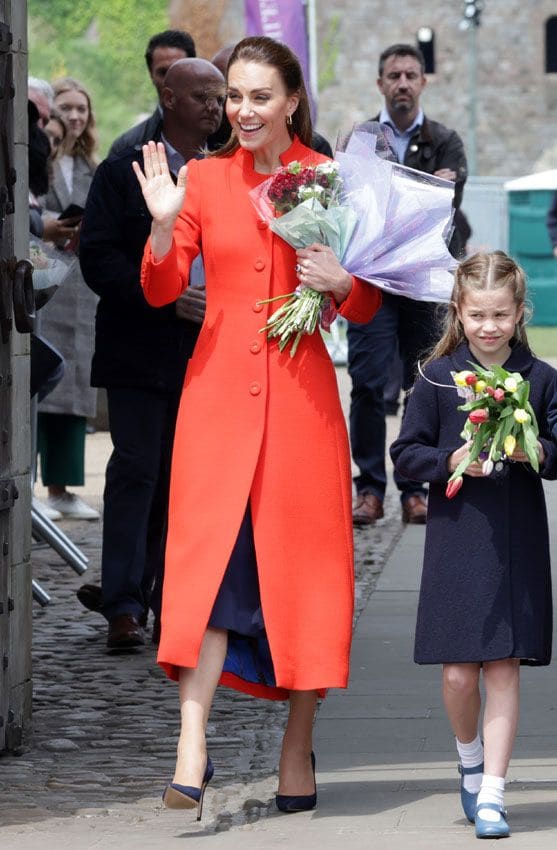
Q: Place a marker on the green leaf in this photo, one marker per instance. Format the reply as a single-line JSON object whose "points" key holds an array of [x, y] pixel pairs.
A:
{"points": [[507, 411]]}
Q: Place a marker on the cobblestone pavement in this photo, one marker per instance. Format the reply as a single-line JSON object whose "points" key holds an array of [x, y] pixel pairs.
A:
{"points": [[105, 725]]}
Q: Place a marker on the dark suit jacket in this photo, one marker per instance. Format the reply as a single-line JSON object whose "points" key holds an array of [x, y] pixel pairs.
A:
{"points": [[135, 344], [140, 134]]}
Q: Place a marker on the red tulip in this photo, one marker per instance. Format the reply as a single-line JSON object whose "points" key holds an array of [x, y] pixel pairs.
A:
{"points": [[471, 379], [453, 487], [490, 391], [479, 416]]}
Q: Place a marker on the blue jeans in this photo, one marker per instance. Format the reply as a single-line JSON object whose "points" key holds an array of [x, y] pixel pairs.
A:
{"points": [[411, 327]]}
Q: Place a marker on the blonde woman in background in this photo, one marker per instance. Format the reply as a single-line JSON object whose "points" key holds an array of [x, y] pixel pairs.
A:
{"points": [[68, 320]]}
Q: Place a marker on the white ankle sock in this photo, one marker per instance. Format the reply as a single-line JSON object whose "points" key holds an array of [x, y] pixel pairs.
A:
{"points": [[492, 791], [471, 755]]}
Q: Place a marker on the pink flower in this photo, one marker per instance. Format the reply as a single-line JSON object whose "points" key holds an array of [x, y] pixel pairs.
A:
{"points": [[479, 416], [499, 394], [453, 487]]}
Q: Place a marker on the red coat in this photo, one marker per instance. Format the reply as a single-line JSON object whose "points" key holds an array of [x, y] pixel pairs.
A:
{"points": [[255, 424]]}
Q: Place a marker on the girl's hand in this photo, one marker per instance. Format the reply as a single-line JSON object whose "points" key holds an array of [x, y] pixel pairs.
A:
{"points": [[521, 457], [474, 469], [163, 197], [319, 269]]}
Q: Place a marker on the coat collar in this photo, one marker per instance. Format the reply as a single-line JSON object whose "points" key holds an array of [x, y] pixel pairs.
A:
{"points": [[297, 150], [520, 359]]}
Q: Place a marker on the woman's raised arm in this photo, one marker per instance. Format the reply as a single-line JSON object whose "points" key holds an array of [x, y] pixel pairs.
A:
{"points": [[163, 197]]}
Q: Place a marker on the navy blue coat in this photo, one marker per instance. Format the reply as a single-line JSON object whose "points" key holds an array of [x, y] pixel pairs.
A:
{"points": [[486, 583], [136, 345]]}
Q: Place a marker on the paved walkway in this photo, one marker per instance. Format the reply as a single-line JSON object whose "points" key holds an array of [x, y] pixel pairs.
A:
{"points": [[386, 764]]}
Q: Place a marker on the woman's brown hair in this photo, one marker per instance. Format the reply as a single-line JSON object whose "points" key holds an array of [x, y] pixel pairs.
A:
{"points": [[482, 272], [267, 51], [86, 144]]}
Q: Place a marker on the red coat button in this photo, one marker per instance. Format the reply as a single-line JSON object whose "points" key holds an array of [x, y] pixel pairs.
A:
{"points": [[255, 388], [255, 347], [259, 264], [262, 225], [257, 307]]}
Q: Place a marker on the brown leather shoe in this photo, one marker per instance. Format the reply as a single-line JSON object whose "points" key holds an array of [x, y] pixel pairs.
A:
{"points": [[414, 510], [124, 632], [367, 510]]}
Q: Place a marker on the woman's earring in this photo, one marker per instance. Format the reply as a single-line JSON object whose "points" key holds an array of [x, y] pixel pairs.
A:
{"points": [[289, 120]]}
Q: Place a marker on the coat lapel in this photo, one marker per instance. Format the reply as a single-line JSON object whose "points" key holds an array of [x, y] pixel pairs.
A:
{"points": [[58, 197], [82, 176]]}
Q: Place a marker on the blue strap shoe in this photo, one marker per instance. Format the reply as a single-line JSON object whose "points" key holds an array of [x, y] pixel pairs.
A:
{"points": [[469, 800], [491, 828]]}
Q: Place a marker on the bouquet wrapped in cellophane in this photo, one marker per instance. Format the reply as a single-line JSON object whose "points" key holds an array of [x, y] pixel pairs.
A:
{"points": [[500, 418], [51, 267], [387, 224]]}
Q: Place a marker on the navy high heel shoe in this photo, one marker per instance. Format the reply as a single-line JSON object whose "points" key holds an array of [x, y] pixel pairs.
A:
{"points": [[187, 797], [489, 828], [469, 800], [303, 802]]}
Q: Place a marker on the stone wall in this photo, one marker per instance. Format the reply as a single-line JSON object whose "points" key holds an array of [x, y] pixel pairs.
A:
{"points": [[516, 103]]}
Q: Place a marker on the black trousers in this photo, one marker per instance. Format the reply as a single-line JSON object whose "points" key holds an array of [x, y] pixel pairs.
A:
{"points": [[142, 423], [401, 325]]}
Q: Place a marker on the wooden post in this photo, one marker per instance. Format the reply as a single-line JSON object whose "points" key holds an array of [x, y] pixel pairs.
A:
{"points": [[15, 490]]}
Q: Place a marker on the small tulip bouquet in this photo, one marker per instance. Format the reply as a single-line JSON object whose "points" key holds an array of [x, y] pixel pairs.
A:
{"points": [[301, 204], [500, 417]]}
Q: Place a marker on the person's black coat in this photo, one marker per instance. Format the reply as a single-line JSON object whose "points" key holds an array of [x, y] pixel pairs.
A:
{"points": [[136, 345], [486, 583], [139, 134]]}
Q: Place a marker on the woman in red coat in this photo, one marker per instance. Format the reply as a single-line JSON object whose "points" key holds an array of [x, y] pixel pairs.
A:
{"points": [[258, 589]]}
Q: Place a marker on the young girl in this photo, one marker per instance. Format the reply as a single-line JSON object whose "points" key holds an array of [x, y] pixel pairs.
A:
{"points": [[485, 598]]}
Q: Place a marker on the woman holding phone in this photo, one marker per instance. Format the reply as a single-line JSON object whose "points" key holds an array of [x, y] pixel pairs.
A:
{"points": [[68, 320]]}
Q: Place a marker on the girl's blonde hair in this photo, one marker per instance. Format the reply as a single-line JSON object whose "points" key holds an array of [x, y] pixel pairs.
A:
{"points": [[482, 272], [86, 144]]}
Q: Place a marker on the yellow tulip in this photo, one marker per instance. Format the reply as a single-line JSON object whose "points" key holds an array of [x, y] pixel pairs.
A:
{"points": [[480, 386], [510, 445], [521, 415], [460, 378]]}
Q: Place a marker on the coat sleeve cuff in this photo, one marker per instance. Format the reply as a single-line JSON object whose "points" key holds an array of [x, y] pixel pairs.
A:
{"points": [[362, 302], [160, 279]]}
